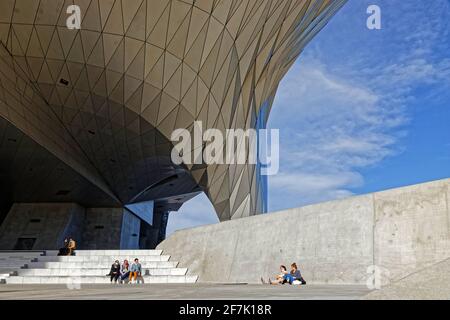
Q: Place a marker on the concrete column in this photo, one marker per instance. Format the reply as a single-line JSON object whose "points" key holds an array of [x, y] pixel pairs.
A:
{"points": [[153, 235]]}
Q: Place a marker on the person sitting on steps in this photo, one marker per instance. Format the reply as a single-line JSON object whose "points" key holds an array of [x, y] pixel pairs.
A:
{"points": [[72, 245], [64, 251], [136, 271], [115, 271], [124, 271]]}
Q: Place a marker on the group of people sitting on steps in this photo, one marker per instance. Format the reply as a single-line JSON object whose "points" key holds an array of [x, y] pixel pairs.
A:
{"points": [[125, 273], [292, 277], [69, 247]]}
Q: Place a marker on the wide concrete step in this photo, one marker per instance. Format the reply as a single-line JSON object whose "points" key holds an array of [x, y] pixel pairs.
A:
{"points": [[103, 259], [14, 262], [137, 253], [8, 259], [96, 280], [17, 258], [4, 275], [97, 265], [7, 270], [97, 272], [9, 267], [13, 265], [51, 252], [10, 262], [21, 253]]}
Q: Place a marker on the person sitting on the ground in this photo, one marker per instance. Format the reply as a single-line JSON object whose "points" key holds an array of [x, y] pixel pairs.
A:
{"points": [[280, 278], [297, 276], [115, 271], [288, 277], [71, 247], [136, 271], [124, 271]]}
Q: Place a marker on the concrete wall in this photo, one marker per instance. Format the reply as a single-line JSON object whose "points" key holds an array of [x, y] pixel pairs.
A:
{"points": [[111, 228], [412, 227], [131, 227], [49, 223], [430, 283], [400, 231], [103, 228]]}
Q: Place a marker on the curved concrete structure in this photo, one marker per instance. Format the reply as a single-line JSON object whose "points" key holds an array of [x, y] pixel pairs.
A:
{"points": [[86, 115], [105, 99]]}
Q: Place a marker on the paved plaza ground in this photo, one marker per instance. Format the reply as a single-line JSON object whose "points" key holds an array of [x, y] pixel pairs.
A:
{"points": [[182, 292]]}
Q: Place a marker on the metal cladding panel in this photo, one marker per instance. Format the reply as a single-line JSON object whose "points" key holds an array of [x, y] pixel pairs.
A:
{"points": [[143, 210]]}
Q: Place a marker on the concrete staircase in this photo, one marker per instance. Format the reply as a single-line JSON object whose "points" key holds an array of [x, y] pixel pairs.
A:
{"points": [[92, 266], [13, 261]]}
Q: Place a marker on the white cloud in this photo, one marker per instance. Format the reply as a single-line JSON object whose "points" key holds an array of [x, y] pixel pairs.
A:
{"points": [[335, 122], [331, 127], [314, 187]]}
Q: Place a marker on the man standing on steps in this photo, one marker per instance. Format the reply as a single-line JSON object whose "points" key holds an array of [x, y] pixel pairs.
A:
{"points": [[136, 270]]}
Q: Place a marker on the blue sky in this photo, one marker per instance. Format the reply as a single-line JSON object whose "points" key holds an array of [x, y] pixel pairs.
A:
{"points": [[361, 110]]}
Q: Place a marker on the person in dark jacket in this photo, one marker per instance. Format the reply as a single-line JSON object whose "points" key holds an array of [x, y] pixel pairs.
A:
{"points": [[115, 271], [64, 250], [71, 246]]}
